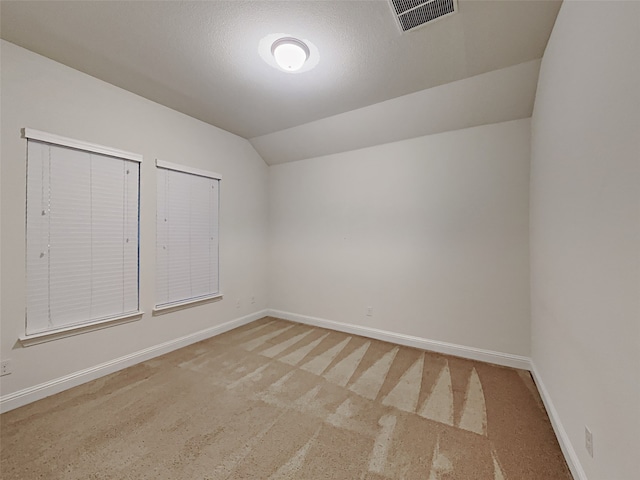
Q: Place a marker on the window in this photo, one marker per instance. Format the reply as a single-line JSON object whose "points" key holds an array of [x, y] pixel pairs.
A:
{"points": [[186, 235], [82, 233]]}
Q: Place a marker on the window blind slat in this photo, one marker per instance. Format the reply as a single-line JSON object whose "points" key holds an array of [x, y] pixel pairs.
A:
{"points": [[214, 259], [107, 240], [187, 236], [162, 237], [37, 248], [82, 237], [70, 237], [199, 240], [131, 233], [178, 271]]}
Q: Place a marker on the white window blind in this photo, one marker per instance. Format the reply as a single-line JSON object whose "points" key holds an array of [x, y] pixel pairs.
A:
{"points": [[186, 235], [82, 235]]}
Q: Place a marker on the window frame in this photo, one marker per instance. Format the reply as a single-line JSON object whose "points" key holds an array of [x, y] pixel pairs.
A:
{"points": [[159, 309], [90, 325]]}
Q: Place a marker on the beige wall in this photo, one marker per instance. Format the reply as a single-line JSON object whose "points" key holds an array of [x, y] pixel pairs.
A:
{"points": [[42, 94], [431, 232], [585, 232]]}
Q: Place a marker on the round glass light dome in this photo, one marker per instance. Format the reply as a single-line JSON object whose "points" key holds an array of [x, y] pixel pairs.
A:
{"points": [[290, 53]]}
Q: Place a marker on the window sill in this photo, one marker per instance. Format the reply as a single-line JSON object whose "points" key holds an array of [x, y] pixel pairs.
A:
{"points": [[171, 307], [42, 337]]}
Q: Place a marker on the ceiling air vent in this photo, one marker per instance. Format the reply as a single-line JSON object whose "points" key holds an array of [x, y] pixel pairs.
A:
{"points": [[414, 13]]}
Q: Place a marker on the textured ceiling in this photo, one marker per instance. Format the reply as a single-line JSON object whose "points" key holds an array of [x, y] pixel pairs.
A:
{"points": [[201, 58]]}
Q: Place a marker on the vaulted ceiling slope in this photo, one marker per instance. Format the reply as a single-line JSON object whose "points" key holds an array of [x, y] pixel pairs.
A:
{"points": [[497, 96], [201, 57]]}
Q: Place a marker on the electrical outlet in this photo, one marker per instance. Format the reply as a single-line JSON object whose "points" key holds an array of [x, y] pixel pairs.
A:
{"points": [[238, 303], [588, 440], [5, 367], [369, 311]]}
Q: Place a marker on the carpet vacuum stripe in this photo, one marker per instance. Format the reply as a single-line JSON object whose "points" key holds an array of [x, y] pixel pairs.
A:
{"points": [[277, 400]]}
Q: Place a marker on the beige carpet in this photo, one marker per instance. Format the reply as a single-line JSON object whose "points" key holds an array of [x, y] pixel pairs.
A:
{"points": [[278, 400]]}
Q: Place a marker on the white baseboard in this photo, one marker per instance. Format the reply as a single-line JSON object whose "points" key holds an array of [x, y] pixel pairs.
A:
{"points": [[566, 446], [499, 358], [37, 392]]}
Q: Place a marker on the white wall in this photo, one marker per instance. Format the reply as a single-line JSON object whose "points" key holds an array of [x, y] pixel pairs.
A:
{"points": [[431, 232], [585, 232], [42, 94]]}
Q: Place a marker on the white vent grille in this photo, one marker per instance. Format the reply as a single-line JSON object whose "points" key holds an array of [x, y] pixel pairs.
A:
{"points": [[414, 13]]}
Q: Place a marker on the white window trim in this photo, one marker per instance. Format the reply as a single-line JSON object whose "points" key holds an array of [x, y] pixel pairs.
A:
{"points": [[184, 169], [169, 307], [32, 134], [71, 330], [49, 335]]}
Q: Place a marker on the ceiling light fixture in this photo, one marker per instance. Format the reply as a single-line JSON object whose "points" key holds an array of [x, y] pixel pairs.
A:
{"points": [[290, 53]]}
